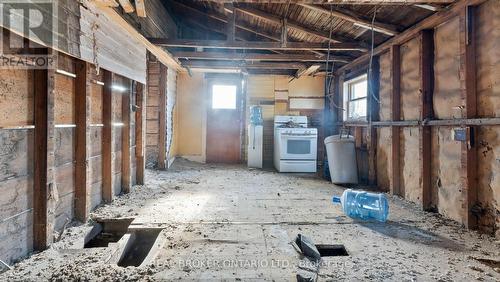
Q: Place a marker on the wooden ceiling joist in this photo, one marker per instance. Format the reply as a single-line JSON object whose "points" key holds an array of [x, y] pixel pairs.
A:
{"points": [[292, 24], [257, 57], [256, 45], [356, 19], [127, 6], [350, 2], [141, 8], [243, 64]]}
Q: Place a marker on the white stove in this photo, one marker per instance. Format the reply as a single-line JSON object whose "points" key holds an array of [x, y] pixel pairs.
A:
{"points": [[295, 145]]}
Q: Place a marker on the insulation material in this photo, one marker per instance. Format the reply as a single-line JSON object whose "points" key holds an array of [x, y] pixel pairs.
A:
{"points": [[16, 97], [489, 178], [410, 170], [488, 59], [384, 154], [447, 91], [446, 172], [16, 184], [385, 86], [410, 80], [64, 91]]}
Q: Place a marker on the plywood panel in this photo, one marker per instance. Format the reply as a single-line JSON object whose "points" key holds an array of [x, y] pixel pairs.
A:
{"points": [[64, 146], [96, 103], [307, 86], [385, 87], [16, 97], [16, 153], [447, 97], [64, 109], [260, 86], [488, 59], [383, 158], [446, 172], [16, 237], [410, 80]]}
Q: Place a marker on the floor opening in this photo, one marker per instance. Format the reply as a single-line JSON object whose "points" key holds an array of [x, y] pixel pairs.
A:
{"points": [[332, 250], [138, 247], [107, 231]]}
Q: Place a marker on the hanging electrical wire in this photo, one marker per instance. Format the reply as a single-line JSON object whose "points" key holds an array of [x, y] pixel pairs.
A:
{"points": [[329, 74]]}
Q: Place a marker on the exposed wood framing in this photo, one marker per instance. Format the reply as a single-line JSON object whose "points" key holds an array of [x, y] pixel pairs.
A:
{"points": [[428, 23], [107, 137], [141, 8], [351, 2], [284, 32], [126, 176], [162, 108], [82, 140], [256, 57], [396, 115], [127, 6], [43, 180], [293, 24], [308, 71], [257, 45], [427, 113], [469, 100], [373, 106], [140, 132], [239, 65], [356, 19], [435, 122], [230, 22]]}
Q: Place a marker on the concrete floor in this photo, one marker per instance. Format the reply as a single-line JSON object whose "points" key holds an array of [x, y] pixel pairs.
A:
{"points": [[231, 223]]}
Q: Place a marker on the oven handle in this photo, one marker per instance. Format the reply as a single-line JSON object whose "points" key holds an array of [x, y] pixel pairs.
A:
{"points": [[299, 135]]}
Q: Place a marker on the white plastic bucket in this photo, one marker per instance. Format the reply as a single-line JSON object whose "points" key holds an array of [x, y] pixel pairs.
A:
{"points": [[341, 153]]}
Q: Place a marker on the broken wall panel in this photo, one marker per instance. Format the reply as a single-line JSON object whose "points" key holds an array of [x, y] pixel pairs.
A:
{"points": [[171, 103]]}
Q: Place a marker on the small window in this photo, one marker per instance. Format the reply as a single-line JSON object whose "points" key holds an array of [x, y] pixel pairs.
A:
{"points": [[355, 98], [224, 97]]}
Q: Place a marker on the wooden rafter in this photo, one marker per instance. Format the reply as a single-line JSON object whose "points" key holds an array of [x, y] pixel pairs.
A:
{"points": [[141, 8], [256, 45], [127, 6], [356, 19], [256, 57], [350, 2], [242, 64]]}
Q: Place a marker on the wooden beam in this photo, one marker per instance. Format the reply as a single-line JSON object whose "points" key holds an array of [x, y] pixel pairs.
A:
{"points": [[307, 71], [43, 178], [141, 8], [257, 45], [295, 25], [284, 32], [356, 19], [373, 114], [239, 65], [428, 23], [230, 28], [350, 2], [395, 188], [82, 140], [469, 100], [127, 6], [162, 108], [140, 132], [107, 137], [427, 113], [256, 57], [126, 176]]}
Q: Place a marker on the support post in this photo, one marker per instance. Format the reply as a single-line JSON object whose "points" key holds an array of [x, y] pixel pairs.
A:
{"points": [[230, 22], [395, 188], [427, 113], [162, 109], [126, 157], [140, 133], [43, 180], [469, 100], [82, 136], [373, 106], [107, 137]]}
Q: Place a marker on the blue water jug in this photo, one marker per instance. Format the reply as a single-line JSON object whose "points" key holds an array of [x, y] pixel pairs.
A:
{"points": [[364, 205]]}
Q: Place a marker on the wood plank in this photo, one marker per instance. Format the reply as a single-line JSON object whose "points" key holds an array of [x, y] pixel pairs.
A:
{"points": [[127, 6], [230, 27], [350, 2], [428, 23], [427, 113], [162, 108], [141, 8], [256, 57], [257, 45], [43, 180], [107, 137], [82, 139], [469, 152], [396, 115], [239, 65], [140, 133], [374, 108], [126, 157], [350, 16]]}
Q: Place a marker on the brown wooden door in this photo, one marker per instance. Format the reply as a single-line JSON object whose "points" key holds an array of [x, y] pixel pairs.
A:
{"points": [[224, 121]]}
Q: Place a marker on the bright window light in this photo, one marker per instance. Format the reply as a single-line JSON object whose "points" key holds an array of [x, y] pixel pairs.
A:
{"points": [[224, 97]]}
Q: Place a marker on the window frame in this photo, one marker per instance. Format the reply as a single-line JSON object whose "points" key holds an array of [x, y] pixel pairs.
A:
{"points": [[224, 84], [347, 89]]}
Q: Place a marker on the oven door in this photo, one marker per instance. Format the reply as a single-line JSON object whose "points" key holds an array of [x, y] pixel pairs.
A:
{"points": [[298, 146]]}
